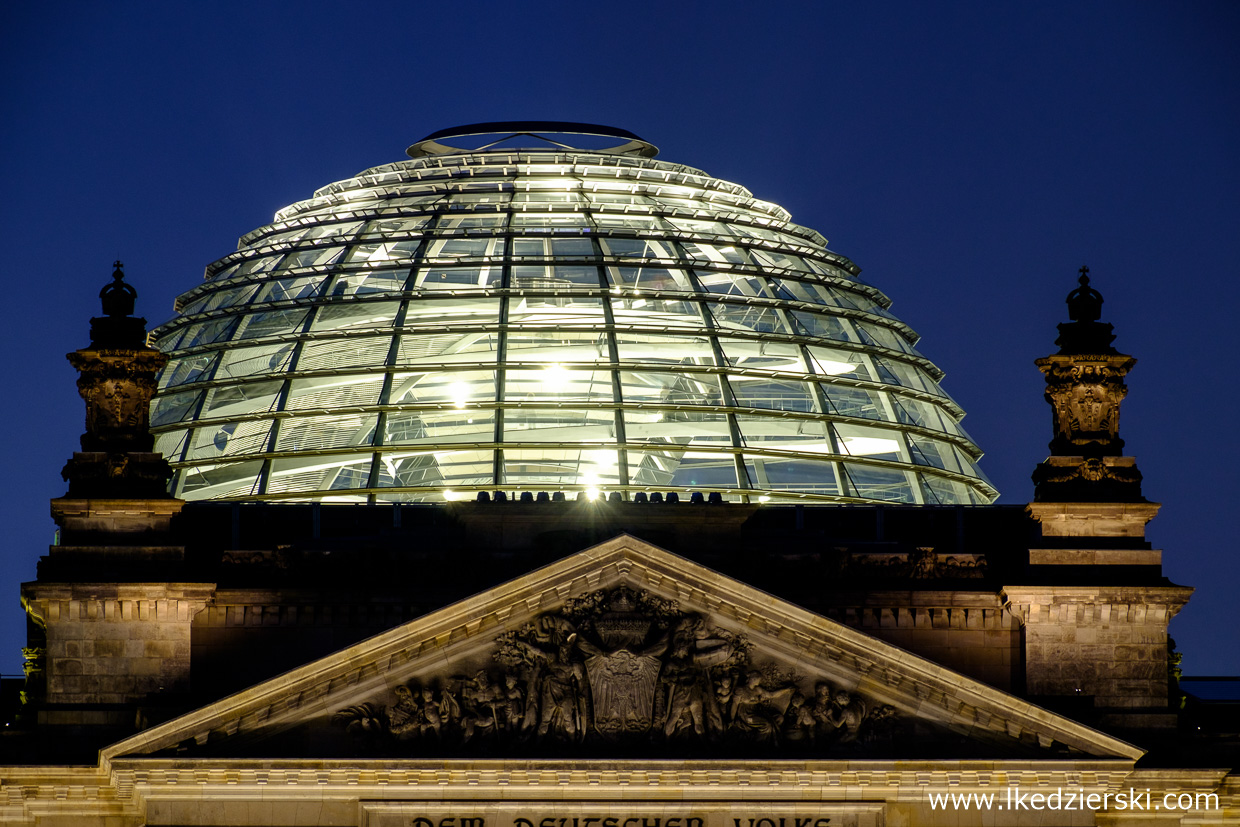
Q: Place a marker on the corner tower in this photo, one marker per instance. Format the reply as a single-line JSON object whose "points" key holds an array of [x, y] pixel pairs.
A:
{"points": [[1094, 617], [110, 616]]}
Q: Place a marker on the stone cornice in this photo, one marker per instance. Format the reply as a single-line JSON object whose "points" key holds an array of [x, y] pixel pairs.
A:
{"points": [[1025, 601], [194, 592], [585, 780], [122, 794]]}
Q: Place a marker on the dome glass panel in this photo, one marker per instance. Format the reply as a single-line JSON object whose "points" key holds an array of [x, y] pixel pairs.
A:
{"points": [[587, 321]]}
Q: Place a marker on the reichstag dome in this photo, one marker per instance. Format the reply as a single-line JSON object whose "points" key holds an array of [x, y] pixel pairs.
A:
{"points": [[543, 307]]}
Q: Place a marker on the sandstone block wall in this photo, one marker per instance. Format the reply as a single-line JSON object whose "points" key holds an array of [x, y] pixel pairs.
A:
{"points": [[115, 643], [1109, 643], [280, 630], [970, 632]]}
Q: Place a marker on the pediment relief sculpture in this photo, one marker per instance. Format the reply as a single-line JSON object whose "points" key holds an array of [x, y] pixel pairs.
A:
{"points": [[617, 668], [621, 651]]}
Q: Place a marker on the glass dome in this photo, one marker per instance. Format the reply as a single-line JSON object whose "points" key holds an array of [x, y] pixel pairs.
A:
{"points": [[588, 321]]}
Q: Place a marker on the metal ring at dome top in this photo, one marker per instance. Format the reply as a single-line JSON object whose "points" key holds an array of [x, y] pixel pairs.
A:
{"points": [[433, 144]]}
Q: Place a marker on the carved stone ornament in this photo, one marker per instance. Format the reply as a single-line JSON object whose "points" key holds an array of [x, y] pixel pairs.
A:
{"points": [[620, 669], [1085, 380], [1091, 470], [117, 457], [1085, 393], [117, 386], [117, 297], [922, 563], [1085, 386], [1092, 479], [117, 379]]}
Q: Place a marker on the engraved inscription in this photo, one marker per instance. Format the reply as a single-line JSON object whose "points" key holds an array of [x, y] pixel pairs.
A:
{"points": [[617, 814]]}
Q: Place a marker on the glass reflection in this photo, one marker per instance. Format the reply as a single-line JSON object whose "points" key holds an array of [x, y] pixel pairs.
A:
{"points": [[442, 326]]}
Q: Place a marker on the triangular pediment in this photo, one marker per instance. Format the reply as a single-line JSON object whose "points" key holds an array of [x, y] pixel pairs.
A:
{"points": [[622, 650]]}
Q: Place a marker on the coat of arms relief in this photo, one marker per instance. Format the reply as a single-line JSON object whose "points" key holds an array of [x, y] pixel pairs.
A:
{"points": [[619, 667]]}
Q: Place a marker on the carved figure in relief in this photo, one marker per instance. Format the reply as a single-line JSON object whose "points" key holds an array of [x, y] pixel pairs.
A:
{"points": [[449, 709], [846, 714], [480, 700], [430, 720], [513, 705], [758, 712], [558, 703], [685, 680], [563, 706], [880, 715], [822, 709], [923, 562], [725, 688], [405, 719], [798, 725]]}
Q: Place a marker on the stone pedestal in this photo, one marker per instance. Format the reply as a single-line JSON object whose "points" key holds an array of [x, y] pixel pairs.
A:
{"points": [[1109, 643], [113, 644], [1105, 644]]}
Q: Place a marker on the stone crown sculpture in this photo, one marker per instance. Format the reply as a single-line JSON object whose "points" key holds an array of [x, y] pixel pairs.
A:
{"points": [[117, 380], [1084, 387]]}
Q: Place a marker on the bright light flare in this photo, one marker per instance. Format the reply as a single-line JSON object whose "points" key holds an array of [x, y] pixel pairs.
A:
{"points": [[459, 391], [555, 378]]}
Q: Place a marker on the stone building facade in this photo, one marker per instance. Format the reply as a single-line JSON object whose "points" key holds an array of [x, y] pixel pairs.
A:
{"points": [[546, 662]]}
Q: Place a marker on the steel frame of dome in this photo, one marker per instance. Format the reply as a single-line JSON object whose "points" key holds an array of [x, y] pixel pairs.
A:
{"points": [[556, 319]]}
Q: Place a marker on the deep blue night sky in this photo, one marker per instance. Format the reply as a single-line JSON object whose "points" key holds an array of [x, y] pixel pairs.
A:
{"points": [[968, 156]]}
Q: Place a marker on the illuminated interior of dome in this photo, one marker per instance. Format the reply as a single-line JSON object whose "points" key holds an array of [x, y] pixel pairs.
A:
{"points": [[544, 318]]}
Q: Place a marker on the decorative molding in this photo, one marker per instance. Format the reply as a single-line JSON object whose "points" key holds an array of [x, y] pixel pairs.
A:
{"points": [[1115, 604], [1085, 392]]}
